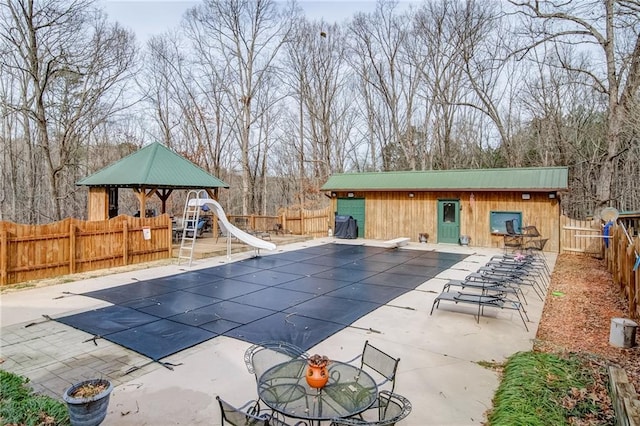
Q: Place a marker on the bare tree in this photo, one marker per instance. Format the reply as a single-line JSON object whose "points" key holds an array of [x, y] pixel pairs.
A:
{"points": [[609, 31], [388, 80], [72, 64], [437, 53], [318, 83], [248, 35], [158, 83]]}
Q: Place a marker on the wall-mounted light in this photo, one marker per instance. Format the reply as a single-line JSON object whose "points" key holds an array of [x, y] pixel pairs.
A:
{"points": [[411, 195], [526, 196], [350, 194], [552, 195], [333, 194]]}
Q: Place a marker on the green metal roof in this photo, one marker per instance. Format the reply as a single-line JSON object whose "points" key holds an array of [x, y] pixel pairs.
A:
{"points": [[154, 165], [529, 179]]}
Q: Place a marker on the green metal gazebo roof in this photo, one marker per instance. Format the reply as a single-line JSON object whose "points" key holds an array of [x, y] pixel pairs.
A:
{"points": [[514, 179], [154, 165]]}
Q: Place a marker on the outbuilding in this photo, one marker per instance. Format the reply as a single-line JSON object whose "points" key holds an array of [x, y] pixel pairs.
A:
{"points": [[152, 170], [452, 206]]}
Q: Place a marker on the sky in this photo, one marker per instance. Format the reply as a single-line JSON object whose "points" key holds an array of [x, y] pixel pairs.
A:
{"points": [[152, 17]]}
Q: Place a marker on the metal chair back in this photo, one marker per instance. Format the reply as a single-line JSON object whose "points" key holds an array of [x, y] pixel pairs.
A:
{"points": [[260, 357], [380, 362], [391, 409], [247, 415]]}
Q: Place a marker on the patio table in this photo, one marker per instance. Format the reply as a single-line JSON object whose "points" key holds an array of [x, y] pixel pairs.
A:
{"points": [[349, 391]]}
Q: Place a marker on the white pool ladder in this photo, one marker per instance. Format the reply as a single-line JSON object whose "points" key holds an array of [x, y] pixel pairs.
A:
{"points": [[190, 218]]}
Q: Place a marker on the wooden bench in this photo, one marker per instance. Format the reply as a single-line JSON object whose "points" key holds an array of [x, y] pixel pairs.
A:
{"points": [[397, 242]]}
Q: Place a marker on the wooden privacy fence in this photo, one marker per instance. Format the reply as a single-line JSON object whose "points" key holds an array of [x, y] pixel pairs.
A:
{"points": [[255, 222], [622, 261], [308, 222], [294, 221], [580, 236], [29, 252]]}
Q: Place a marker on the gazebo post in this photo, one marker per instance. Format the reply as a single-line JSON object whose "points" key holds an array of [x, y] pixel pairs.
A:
{"points": [[164, 194]]}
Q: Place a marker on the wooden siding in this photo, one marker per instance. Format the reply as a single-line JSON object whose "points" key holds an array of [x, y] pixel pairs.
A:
{"points": [[29, 252], [394, 214]]}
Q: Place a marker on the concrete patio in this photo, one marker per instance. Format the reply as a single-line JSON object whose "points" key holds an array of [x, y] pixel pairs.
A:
{"points": [[439, 371]]}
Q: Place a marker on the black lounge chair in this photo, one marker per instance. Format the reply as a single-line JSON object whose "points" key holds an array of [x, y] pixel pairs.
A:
{"points": [[529, 260], [482, 301], [487, 287], [530, 268], [507, 278]]}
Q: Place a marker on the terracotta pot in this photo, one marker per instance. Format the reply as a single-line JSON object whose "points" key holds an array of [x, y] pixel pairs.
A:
{"points": [[317, 376]]}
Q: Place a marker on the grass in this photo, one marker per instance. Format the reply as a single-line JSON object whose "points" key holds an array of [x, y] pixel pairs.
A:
{"points": [[20, 406], [540, 389]]}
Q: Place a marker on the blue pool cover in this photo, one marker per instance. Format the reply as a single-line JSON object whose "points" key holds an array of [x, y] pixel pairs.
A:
{"points": [[301, 297]]}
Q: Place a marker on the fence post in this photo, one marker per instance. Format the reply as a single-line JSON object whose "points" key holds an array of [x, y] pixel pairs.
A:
{"points": [[170, 227], [125, 242], [302, 227], [4, 258], [72, 249]]}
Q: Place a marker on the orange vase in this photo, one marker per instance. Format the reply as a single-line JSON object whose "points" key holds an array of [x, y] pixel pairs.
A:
{"points": [[317, 376]]}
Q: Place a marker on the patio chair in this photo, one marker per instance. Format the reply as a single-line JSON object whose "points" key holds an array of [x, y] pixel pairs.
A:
{"points": [[250, 415], [487, 287], [512, 240], [199, 228], [536, 249], [247, 414], [527, 260], [380, 362], [260, 357], [391, 409], [507, 277], [481, 301], [222, 232], [530, 231], [277, 229], [526, 265]]}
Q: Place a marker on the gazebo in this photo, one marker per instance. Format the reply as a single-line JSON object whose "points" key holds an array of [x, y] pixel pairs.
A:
{"points": [[152, 170]]}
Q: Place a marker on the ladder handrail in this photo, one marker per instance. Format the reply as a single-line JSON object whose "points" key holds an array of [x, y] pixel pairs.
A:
{"points": [[190, 216]]}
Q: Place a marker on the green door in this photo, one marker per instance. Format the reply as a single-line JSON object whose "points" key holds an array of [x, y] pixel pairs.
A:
{"points": [[353, 207], [448, 221]]}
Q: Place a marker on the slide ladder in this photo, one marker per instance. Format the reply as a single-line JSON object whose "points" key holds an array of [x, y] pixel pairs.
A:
{"points": [[190, 219]]}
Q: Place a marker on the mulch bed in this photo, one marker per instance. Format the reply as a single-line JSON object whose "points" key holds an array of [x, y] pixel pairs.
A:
{"points": [[581, 301]]}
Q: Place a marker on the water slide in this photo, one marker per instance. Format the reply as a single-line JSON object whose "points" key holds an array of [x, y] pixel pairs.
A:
{"points": [[252, 240]]}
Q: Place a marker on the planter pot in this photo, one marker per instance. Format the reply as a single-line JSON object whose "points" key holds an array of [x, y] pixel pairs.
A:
{"points": [[317, 376], [88, 411]]}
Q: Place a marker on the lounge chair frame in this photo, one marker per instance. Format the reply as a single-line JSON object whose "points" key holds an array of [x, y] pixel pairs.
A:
{"points": [[481, 301]]}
